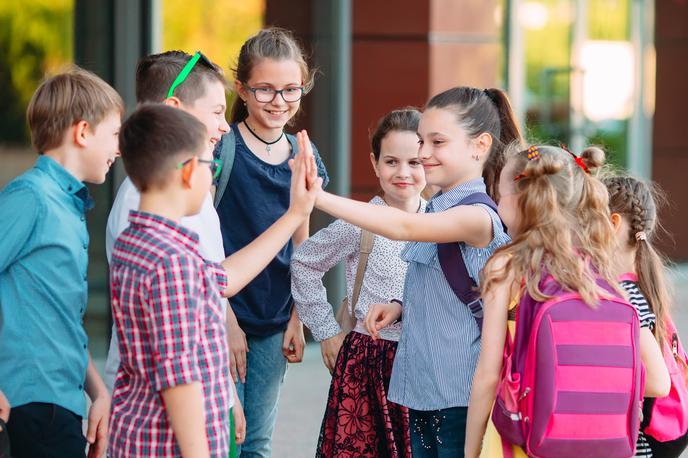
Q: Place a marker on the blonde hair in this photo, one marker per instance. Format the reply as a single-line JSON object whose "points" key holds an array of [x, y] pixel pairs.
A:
{"points": [[636, 201], [65, 99], [271, 43], [565, 228]]}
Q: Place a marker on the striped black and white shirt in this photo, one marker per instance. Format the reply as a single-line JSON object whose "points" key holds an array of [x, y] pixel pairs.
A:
{"points": [[440, 342], [647, 320]]}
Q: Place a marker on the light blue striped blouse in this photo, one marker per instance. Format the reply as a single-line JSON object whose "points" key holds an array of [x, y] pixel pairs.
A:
{"points": [[440, 342]]}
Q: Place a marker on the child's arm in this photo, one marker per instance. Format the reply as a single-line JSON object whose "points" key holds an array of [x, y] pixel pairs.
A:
{"points": [[4, 408], [238, 347], [245, 264], [239, 418], [99, 412], [657, 381], [184, 405], [174, 311], [20, 208], [467, 223], [495, 309]]}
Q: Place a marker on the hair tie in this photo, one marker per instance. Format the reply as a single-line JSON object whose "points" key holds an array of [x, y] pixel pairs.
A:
{"points": [[489, 96], [533, 155], [580, 162], [640, 236]]}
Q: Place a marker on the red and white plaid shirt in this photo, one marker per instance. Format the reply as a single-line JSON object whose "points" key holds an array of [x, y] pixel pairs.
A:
{"points": [[167, 310]]}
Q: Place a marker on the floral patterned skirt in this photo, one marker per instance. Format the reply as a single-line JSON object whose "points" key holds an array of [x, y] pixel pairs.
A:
{"points": [[359, 420]]}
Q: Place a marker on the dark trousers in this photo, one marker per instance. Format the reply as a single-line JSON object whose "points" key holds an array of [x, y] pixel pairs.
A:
{"points": [[438, 433], [40, 430]]}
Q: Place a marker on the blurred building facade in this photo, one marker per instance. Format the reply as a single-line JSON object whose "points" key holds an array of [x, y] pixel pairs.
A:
{"points": [[609, 72]]}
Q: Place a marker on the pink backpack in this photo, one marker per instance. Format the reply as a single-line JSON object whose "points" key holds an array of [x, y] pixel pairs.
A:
{"points": [[668, 419], [572, 380]]}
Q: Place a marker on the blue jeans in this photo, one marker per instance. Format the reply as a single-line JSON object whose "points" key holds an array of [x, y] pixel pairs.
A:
{"points": [[438, 433], [265, 369]]}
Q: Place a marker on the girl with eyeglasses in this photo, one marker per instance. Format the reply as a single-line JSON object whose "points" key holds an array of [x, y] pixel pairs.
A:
{"points": [[271, 77]]}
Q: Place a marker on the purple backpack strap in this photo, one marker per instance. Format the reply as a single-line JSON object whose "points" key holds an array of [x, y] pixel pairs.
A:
{"points": [[454, 267]]}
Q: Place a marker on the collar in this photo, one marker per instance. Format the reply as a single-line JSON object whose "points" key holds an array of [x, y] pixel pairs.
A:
{"points": [[65, 180], [444, 201], [166, 227]]}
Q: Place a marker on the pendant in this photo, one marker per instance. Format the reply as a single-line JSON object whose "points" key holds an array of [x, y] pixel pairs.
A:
{"points": [[268, 148]]}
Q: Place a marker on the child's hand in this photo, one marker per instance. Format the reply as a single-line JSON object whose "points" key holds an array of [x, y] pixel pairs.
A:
{"points": [[305, 183], [380, 316], [239, 422], [97, 434], [294, 341], [329, 348], [4, 408]]}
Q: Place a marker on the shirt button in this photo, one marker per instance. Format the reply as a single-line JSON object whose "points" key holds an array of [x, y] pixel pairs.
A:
{"points": [[85, 346], [85, 246], [83, 218], [81, 387]]}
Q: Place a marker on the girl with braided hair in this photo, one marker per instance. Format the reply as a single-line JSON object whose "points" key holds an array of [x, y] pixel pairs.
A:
{"points": [[641, 270]]}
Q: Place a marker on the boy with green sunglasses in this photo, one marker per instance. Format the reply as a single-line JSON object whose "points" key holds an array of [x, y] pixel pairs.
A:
{"points": [[197, 86]]}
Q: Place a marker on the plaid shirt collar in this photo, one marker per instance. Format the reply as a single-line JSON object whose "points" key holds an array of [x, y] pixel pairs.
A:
{"points": [[166, 227], [444, 201]]}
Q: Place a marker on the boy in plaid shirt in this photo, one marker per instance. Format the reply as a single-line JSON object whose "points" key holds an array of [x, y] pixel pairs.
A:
{"points": [[173, 381]]}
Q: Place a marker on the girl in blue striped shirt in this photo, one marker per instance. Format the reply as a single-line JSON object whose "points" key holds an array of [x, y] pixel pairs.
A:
{"points": [[462, 136]]}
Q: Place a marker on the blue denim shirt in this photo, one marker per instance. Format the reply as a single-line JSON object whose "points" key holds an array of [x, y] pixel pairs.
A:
{"points": [[43, 287]]}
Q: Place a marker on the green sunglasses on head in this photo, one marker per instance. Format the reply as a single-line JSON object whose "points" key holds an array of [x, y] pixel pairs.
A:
{"points": [[187, 69]]}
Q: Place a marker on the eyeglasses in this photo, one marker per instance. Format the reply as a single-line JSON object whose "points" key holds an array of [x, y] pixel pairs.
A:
{"points": [[268, 94], [187, 69], [214, 164]]}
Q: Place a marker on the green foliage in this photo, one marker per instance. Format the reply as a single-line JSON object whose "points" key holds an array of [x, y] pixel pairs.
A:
{"points": [[36, 38]]}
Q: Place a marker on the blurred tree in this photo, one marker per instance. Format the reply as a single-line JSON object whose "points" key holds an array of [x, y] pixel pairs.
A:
{"points": [[36, 38]]}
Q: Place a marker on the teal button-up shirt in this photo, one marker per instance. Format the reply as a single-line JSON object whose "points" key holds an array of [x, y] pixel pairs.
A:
{"points": [[43, 287]]}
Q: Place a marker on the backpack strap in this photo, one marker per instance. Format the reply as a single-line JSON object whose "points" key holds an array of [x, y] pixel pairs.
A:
{"points": [[225, 151], [454, 267], [365, 248]]}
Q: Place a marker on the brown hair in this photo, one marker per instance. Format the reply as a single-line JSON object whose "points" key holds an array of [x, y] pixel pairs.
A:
{"points": [[153, 138], [479, 111], [156, 73], [636, 201], [565, 228], [64, 100], [404, 120], [270, 43]]}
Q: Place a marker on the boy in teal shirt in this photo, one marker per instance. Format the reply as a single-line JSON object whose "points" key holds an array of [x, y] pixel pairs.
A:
{"points": [[45, 366]]}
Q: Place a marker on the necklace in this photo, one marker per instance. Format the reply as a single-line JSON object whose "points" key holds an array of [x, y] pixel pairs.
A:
{"points": [[268, 145]]}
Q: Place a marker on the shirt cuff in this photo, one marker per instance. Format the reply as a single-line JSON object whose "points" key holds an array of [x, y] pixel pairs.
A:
{"points": [[179, 370]]}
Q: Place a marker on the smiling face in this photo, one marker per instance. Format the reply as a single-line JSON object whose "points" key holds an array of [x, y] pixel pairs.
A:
{"points": [[446, 150], [101, 148], [398, 168], [276, 75], [210, 110]]}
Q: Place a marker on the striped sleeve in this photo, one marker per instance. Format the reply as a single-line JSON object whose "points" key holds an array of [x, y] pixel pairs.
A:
{"points": [[637, 300]]}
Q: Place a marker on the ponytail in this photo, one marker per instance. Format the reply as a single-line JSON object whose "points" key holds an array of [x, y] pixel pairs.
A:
{"points": [[636, 201], [509, 133]]}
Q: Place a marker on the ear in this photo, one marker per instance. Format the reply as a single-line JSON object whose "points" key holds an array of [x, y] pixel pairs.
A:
{"points": [[483, 143], [374, 163], [188, 171], [616, 222], [240, 89], [173, 102], [79, 132]]}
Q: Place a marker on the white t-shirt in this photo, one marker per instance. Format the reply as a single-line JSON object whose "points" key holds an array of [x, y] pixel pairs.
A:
{"points": [[206, 224]]}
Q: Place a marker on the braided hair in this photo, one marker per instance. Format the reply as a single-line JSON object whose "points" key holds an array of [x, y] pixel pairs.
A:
{"points": [[636, 201]]}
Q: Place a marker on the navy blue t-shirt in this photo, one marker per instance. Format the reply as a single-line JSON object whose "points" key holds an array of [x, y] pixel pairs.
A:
{"points": [[257, 194]]}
